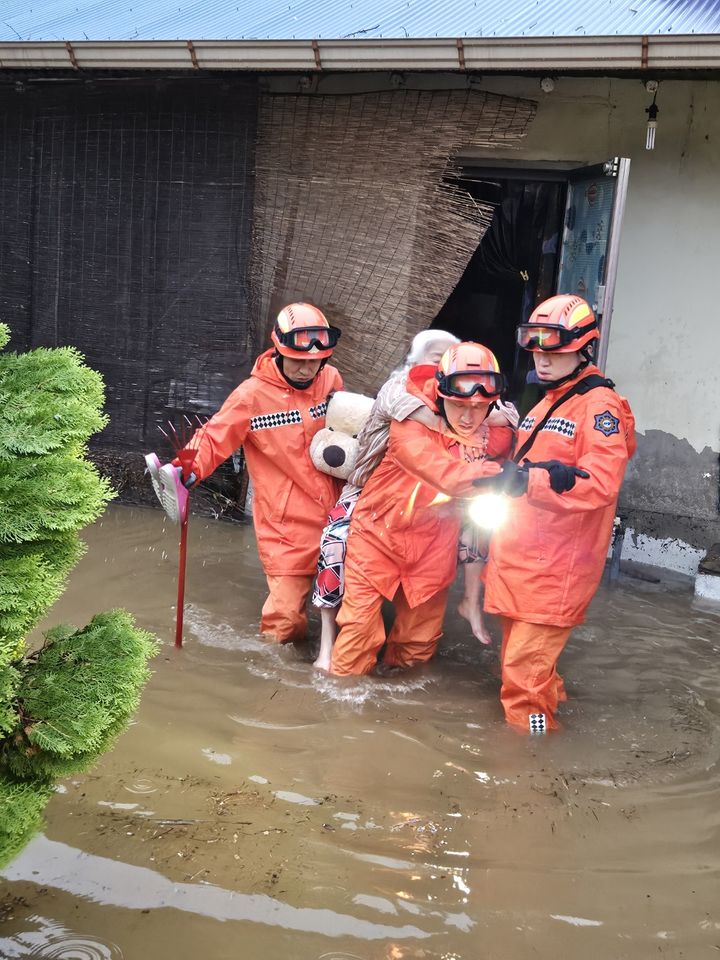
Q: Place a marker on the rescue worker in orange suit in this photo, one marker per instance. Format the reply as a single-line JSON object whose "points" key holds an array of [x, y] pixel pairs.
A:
{"points": [[274, 415], [547, 559], [402, 543]]}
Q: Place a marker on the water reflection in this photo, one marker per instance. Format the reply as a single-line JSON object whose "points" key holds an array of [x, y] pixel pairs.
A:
{"points": [[380, 819], [137, 888]]}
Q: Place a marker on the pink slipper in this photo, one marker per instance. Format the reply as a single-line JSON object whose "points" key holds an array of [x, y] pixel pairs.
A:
{"points": [[174, 497]]}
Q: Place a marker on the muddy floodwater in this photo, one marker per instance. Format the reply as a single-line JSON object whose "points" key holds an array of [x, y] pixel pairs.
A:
{"points": [[257, 810]]}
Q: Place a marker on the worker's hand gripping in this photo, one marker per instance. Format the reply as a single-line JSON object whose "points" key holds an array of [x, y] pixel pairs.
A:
{"points": [[513, 479], [562, 475]]}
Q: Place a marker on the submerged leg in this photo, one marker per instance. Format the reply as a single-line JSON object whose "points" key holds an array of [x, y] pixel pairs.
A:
{"points": [[362, 632], [531, 685], [416, 631], [470, 607], [284, 617], [328, 634], [330, 582]]}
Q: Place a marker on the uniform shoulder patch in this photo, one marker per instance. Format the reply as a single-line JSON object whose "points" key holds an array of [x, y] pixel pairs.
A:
{"points": [[606, 423]]}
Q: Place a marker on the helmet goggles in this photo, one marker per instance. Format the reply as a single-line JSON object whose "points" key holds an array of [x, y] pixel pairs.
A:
{"points": [[550, 336], [305, 339], [464, 384]]}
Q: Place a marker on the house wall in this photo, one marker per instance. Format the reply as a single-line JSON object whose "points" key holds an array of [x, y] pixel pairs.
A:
{"points": [[665, 335]]}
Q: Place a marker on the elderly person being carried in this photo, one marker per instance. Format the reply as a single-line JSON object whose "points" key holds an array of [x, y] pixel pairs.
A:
{"points": [[403, 538]]}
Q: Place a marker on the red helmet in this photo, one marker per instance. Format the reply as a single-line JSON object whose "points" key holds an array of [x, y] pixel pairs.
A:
{"points": [[562, 324], [301, 330], [469, 371]]}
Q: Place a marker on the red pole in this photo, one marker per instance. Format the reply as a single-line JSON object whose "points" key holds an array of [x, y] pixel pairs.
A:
{"points": [[182, 563], [186, 454]]}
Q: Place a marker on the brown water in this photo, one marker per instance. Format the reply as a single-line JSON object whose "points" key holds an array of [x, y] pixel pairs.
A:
{"points": [[257, 810]]}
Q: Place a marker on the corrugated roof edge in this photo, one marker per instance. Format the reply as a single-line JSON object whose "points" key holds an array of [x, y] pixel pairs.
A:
{"points": [[655, 53]]}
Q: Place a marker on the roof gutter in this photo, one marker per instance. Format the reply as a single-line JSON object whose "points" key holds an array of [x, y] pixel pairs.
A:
{"points": [[518, 54]]}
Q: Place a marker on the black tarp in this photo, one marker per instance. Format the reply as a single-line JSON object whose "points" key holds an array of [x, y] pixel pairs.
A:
{"points": [[126, 209]]}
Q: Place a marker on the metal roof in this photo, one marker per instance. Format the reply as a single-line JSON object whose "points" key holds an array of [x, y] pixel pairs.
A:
{"points": [[133, 20]]}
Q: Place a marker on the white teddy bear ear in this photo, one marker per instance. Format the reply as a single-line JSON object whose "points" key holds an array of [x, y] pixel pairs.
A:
{"points": [[348, 412]]}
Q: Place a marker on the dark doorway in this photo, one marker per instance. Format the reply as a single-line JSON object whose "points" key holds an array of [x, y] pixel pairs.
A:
{"points": [[513, 269]]}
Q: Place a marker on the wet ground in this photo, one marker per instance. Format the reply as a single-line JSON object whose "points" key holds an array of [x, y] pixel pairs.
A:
{"points": [[257, 810]]}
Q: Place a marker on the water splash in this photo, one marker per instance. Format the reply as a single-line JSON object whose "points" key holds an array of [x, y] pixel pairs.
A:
{"points": [[222, 636]]}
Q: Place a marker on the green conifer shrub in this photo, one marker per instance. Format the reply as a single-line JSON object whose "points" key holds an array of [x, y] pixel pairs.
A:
{"points": [[60, 706]]}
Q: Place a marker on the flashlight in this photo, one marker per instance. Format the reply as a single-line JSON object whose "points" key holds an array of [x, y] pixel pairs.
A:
{"points": [[489, 510]]}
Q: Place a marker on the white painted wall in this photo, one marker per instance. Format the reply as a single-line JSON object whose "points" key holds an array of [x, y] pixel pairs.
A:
{"points": [[665, 335], [664, 351]]}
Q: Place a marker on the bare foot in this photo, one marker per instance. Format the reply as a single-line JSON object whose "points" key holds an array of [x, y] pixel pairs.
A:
{"points": [[473, 615], [323, 661]]}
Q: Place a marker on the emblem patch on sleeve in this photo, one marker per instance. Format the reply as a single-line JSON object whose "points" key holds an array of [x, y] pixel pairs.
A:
{"points": [[606, 423]]}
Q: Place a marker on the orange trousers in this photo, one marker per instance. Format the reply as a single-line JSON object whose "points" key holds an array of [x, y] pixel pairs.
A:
{"points": [[530, 681], [413, 638], [284, 614]]}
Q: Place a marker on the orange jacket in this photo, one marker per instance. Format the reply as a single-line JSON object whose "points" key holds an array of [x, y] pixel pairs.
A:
{"points": [[547, 559], [275, 423], [397, 534]]}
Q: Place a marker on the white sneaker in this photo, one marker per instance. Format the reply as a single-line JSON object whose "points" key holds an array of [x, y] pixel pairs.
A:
{"points": [[174, 497], [152, 464], [537, 723]]}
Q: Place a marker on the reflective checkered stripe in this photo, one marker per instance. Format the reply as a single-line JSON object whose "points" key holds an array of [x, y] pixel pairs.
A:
{"points": [[527, 424], [282, 418], [561, 425], [319, 411], [537, 722]]}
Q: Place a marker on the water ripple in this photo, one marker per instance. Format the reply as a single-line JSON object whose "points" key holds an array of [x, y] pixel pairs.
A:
{"points": [[52, 941]]}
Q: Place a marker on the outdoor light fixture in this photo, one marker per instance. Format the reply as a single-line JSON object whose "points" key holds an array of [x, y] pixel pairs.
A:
{"points": [[547, 84], [652, 112], [489, 510]]}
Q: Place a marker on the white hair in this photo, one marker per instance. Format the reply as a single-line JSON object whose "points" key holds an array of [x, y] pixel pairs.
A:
{"points": [[426, 342]]}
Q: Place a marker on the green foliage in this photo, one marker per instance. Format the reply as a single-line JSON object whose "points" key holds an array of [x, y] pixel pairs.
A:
{"points": [[49, 400], [55, 493], [60, 708], [9, 681], [78, 694], [21, 809], [32, 577]]}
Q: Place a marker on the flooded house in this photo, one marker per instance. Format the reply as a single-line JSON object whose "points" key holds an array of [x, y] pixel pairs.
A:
{"points": [[171, 175]]}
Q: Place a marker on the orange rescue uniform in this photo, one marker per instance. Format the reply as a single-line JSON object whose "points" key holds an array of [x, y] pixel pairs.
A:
{"points": [[403, 546], [547, 559], [275, 423]]}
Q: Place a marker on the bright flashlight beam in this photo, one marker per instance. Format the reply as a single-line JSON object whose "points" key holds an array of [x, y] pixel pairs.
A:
{"points": [[489, 510]]}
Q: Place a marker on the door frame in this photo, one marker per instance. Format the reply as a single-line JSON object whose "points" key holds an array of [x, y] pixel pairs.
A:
{"points": [[565, 172]]}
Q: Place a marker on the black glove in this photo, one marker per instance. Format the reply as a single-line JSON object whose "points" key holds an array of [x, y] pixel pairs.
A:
{"points": [[512, 480], [562, 475]]}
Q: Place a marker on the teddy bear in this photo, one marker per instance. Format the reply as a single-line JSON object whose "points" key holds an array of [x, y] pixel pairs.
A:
{"points": [[334, 449]]}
